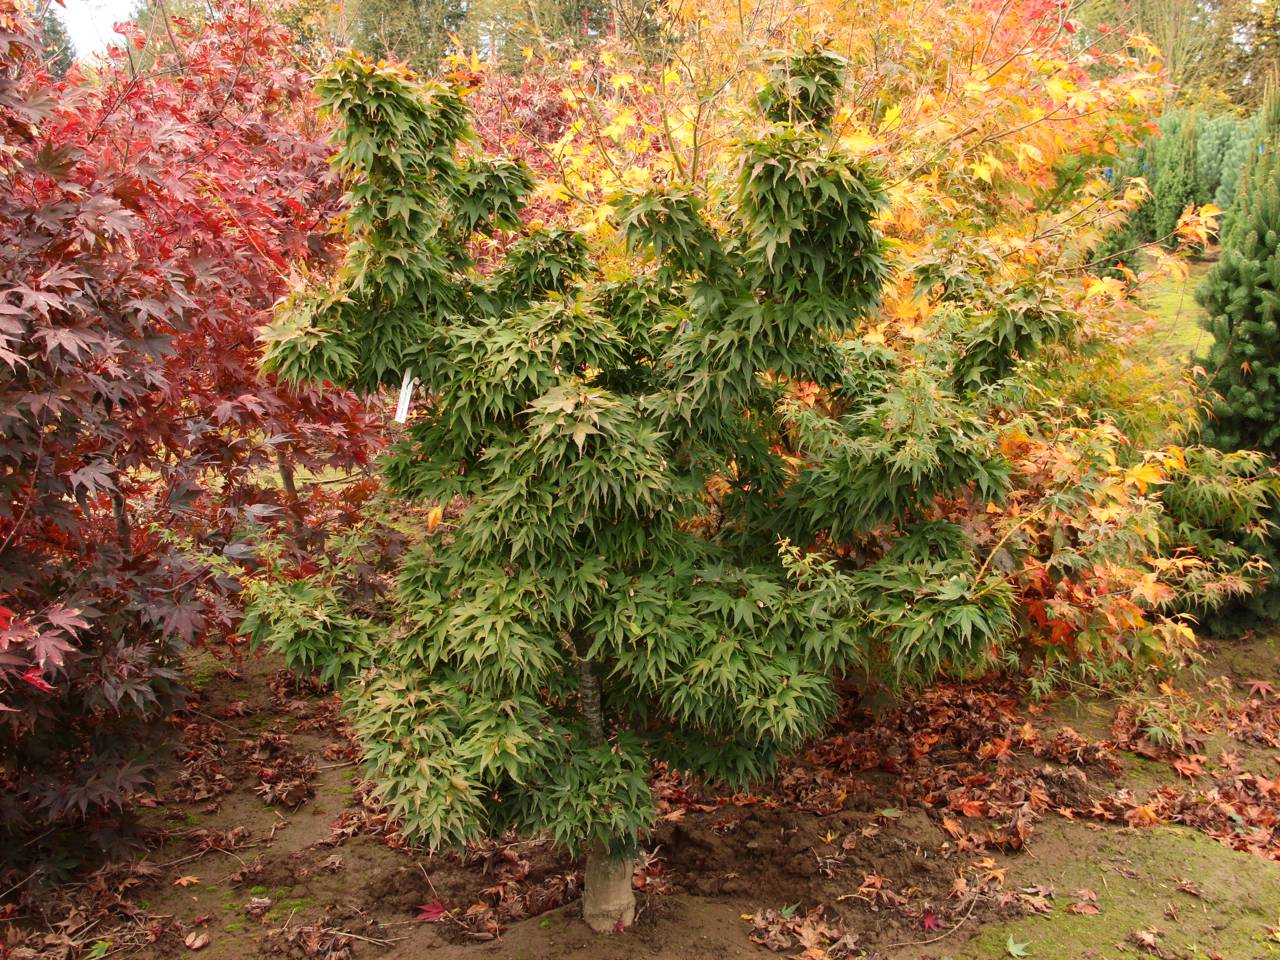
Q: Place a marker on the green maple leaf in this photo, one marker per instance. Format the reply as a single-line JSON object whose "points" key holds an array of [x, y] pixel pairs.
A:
{"points": [[1017, 949]]}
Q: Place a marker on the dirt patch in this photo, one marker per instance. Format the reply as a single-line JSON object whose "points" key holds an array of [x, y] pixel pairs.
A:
{"points": [[936, 827]]}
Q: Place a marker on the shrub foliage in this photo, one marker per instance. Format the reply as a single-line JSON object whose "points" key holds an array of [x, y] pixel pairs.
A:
{"points": [[592, 609], [146, 222]]}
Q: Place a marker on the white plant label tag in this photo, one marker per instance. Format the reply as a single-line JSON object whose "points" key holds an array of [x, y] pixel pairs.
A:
{"points": [[406, 395]]}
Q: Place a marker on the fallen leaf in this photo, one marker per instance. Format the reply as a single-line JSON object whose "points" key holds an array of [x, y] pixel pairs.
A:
{"points": [[1146, 939], [1142, 816], [432, 912], [1261, 689], [1187, 768], [197, 941], [1188, 886], [1016, 949], [188, 881], [1036, 903]]}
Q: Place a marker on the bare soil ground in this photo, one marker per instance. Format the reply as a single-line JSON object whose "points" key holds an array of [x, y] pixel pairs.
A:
{"points": [[960, 823]]}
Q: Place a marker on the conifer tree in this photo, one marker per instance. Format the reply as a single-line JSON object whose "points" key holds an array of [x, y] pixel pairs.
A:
{"points": [[629, 581], [1214, 141], [1240, 299], [1242, 143], [1177, 183], [1257, 169], [59, 54], [1241, 296]]}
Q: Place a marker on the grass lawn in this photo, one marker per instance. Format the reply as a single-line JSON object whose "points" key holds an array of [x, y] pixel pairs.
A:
{"points": [[1178, 335]]}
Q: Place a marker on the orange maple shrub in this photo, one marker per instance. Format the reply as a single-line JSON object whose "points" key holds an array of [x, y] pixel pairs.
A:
{"points": [[997, 126]]}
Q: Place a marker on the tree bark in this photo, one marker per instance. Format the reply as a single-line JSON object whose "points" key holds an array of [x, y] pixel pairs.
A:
{"points": [[290, 486], [589, 696], [121, 512], [608, 902]]}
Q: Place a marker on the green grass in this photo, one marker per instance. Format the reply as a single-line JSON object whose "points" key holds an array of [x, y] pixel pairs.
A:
{"points": [[286, 908], [1136, 876], [1178, 336]]}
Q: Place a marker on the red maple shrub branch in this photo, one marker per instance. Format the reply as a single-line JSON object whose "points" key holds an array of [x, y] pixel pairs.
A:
{"points": [[145, 226]]}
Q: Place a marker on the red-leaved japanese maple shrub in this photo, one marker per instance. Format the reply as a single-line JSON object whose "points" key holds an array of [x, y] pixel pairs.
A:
{"points": [[145, 223]]}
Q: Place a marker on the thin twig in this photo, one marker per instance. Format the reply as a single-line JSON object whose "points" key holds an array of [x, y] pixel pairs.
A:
{"points": [[356, 936], [447, 912], [942, 936]]}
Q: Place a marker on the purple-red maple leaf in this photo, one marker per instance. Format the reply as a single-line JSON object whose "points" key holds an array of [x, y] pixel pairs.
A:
{"points": [[36, 679], [432, 912]]}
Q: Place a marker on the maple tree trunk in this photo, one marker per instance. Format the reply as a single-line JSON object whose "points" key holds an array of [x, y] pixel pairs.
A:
{"points": [[291, 495], [589, 696], [608, 902], [618, 12], [531, 11], [121, 512]]}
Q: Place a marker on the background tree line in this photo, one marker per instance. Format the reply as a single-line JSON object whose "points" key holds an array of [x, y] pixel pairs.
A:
{"points": [[1215, 51], [418, 32]]}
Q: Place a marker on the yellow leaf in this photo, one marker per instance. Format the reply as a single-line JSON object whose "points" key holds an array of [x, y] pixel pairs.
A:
{"points": [[1059, 89], [1106, 514], [434, 516], [984, 168], [620, 124], [1151, 590], [1143, 476], [1103, 288], [551, 190], [1137, 191], [187, 881], [1029, 151]]}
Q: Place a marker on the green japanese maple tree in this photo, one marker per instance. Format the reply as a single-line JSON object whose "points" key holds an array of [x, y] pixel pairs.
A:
{"points": [[594, 608]]}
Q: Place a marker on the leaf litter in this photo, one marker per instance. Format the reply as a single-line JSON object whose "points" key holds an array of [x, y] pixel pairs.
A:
{"points": [[892, 831]]}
